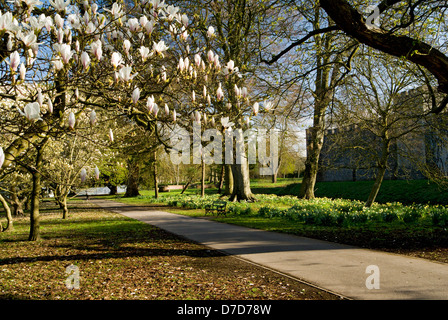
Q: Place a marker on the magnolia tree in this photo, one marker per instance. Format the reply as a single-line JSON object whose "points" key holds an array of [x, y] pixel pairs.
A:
{"points": [[66, 59], [67, 163]]}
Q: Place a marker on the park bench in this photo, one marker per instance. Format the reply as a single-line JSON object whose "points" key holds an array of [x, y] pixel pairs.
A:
{"points": [[218, 206]]}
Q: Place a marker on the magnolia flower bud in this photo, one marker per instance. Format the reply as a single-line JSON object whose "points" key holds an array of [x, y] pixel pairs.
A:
{"points": [[50, 105], [219, 93], [97, 173], [83, 175], [135, 95], [71, 120], [210, 32], [85, 60], [255, 108], [92, 117], [22, 71], [2, 157], [14, 61]]}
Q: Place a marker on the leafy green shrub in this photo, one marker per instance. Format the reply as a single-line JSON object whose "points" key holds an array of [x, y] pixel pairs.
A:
{"points": [[390, 216], [440, 218], [411, 215]]}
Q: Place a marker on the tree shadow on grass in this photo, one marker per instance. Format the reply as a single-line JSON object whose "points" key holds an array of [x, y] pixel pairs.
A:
{"points": [[115, 254]]}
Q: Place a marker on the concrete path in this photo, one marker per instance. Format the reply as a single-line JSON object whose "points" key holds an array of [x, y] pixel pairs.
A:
{"points": [[335, 267]]}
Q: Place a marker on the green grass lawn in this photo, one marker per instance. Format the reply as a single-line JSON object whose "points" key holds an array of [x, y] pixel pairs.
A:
{"points": [[406, 192], [119, 258]]}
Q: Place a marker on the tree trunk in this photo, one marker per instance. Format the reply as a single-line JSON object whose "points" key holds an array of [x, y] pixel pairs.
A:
{"points": [[64, 207], [35, 198], [274, 177], [156, 184], [202, 178], [241, 182], [9, 225], [113, 190], [316, 137], [17, 205], [382, 166], [221, 179], [228, 179], [133, 179]]}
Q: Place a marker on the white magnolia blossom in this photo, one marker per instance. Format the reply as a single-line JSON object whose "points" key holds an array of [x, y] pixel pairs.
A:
{"points": [[126, 46], [29, 39], [2, 157], [66, 52], [267, 105], [97, 173], [144, 52], [149, 27], [90, 28], [226, 123], [59, 5], [22, 71], [210, 32], [83, 175], [150, 103], [160, 47], [57, 64], [58, 21], [116, 59], [14, 61], [219, 93], [40, 97], [211, 56], [135, 95], [8, 22], [97, 49], [115, 10], [133, 25], [197, 59], [31, 111], [50, 105], [184, 20], [255, 108], [71, 120], [85, 60], [125, 74], [197, 116], [92, 117]]}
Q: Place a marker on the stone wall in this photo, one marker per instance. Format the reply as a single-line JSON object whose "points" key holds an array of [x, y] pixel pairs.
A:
{"points": [[347, 153]]}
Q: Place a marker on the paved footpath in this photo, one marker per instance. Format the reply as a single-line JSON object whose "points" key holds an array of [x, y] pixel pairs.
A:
{"points": [[335, 267]]}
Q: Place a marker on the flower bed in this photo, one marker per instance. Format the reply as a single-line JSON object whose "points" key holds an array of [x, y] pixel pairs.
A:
{"points": [[320, 211]]}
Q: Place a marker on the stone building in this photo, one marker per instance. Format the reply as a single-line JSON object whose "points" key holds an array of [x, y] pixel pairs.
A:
{"points": [[351, 153]]}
